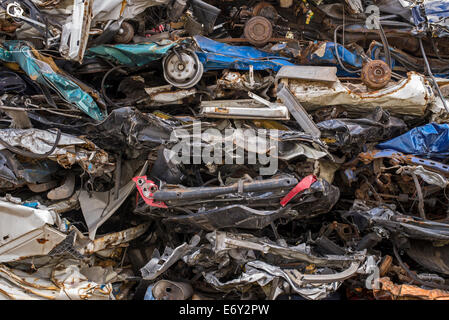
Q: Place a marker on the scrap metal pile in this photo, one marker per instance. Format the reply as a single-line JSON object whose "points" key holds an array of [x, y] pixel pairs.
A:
{"points": [[224, 149]]}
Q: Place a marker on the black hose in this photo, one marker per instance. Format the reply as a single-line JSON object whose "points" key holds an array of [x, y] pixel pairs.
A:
{"points": [[383, 37], [429, 71], [384, 43], [103, 91], [29, 154], [414, 277], [338, 56]]}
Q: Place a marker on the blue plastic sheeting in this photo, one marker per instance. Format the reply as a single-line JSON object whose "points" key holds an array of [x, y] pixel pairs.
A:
{"points": [[149, 294], [437, 13], [429, 141], [132, 55], [217, 56], [418, 18], [379, 47], [432, 15], [34, 205], [40, 71], [328, 57]]}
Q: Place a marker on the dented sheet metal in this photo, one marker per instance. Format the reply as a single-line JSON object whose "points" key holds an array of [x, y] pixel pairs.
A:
{"points": [[97, 207], [114, 9], [263, 273], [132, 55], [409, 96], [69, 149], [27, 231], [74, 35], [160, 263], [242, 109], [46, 74], [209, 150], [391, 291], [232, 216], [354, 133], [63, 281], [111, 240], [226, 241], [413, 227]]}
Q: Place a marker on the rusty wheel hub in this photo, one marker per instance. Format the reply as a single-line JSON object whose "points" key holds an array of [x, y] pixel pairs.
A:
{"points": [[125, 33], [258, 30], [376, 74], [266, 10]]}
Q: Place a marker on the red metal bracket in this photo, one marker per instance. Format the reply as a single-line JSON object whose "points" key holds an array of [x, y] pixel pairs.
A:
{"points": [[146, 189], [302, 185]]}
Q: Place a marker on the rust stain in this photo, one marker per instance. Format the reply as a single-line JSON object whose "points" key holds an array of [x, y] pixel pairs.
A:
{"points": [[42, 240], [221, 110], [391, 291]]}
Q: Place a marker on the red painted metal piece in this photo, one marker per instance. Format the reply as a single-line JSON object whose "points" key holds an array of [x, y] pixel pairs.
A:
{"points": [[302, 185], [146, 189]]}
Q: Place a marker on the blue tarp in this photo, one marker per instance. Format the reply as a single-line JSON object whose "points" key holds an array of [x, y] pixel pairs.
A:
{"points": [[217, 56], [437, 11], [351, 60], [418, 18], [429, 141], [40, 71], [432, 16]]}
